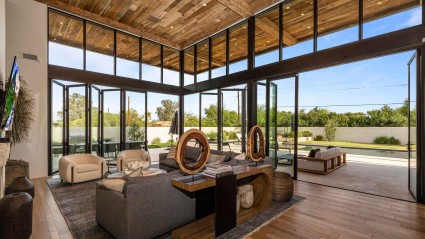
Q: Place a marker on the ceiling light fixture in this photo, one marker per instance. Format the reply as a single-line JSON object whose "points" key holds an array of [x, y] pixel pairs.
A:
{"points": [[379, 3], [172, 27], [287, 7], [204, 4], [302, 14]]}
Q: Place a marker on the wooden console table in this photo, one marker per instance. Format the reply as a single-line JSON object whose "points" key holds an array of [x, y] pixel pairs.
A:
{"points": [[262, 180]]}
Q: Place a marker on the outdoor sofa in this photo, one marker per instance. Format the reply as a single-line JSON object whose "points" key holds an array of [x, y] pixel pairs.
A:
{"points": [[323, 162]]}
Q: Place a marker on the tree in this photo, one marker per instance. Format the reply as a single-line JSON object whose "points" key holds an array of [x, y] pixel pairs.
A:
{"points": [[210, 118], [166, 111], [77, 104], [330, 129], [136, 133], [191, 120]]}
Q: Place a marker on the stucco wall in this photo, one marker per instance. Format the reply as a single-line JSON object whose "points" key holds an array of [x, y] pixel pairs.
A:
{"points": [[26, 31]]}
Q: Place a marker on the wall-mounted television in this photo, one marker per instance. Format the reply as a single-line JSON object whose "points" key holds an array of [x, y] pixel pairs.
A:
{"points": [[9, 98]]}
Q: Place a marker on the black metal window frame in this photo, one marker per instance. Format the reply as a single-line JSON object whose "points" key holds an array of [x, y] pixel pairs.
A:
{"points": [[88, 119], [85, 21]]}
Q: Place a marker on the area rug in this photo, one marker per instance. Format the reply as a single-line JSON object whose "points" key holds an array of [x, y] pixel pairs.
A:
{"points": [[78, 206]]}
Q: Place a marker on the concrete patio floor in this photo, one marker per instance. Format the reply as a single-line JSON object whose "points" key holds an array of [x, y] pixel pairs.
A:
{"points": [[381, 176]]}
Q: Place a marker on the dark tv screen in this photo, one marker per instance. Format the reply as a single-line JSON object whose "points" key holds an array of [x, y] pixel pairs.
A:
{"points": [[9, 99]]}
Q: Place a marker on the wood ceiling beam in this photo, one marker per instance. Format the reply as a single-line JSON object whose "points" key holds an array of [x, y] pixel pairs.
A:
{"points": [[239, 7], [108, 22], [244, 10], [268, 26]]}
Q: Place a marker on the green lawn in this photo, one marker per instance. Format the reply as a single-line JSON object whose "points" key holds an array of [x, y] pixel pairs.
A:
{"points": [[356, 145]]}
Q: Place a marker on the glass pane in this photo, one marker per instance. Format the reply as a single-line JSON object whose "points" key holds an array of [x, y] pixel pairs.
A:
{"points": [[202, 61], [65, 39], [298, 23], [171, 66], [261, 109], [385, 16], [127, 56], [209, 114], [100, 49], [218, 55], [232, 113], [189, 66], [238, 48], [267, 37], [135, 120], [77, 119], [161, 110], [57, 125], [111, 123], [191, 112], [151, 61], [273, 121], [412, 151], [95, 121], [337, 23], [285, 124]]}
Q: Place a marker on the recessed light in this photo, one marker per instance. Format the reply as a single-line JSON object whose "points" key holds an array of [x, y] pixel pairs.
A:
{"points": [[268, 41], [287, 7], [61, 23], [308, 27], [302, 14], [54, 39], [236, 44], [204, 4], [172, 27], [379, 3]]}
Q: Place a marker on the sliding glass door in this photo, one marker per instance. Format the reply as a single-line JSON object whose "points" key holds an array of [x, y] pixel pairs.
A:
{"points": [[233, 119], [135, 120], [111, 122], [411, 145]]}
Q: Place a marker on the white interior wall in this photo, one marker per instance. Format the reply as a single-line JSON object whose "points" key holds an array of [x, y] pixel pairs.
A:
{"points": [[26, 32]]}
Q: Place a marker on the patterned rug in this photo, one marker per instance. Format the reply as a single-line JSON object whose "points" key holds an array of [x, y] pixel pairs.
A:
{"points": [[78, 206]]}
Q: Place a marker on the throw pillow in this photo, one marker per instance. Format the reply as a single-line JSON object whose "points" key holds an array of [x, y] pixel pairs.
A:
{"points": [[241, 156], [313, 153], [216, 159], [172, 153]]}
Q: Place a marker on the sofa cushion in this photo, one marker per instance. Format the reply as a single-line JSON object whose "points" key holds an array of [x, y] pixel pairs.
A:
{"points": [[216, 159], [192, 153], [172, 152], [84, 168], [313, 153], [328, 153], [227, 153], [150, 179]]}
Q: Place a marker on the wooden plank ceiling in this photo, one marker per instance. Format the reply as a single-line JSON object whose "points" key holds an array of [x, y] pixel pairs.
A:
{"points": [[181, 23]]}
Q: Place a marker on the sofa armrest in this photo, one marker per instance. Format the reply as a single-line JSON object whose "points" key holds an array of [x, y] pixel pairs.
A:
{"points": [[162, 156]]}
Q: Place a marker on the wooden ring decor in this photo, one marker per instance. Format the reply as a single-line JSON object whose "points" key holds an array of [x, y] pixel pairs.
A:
{"points": [[261, 154], [199, 136]]}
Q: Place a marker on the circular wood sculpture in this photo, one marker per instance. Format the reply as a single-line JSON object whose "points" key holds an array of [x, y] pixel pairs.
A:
{"points": [[181, 151], [261, 154]]}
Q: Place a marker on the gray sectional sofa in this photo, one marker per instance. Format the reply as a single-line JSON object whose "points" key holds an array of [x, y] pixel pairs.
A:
{"points": [[192, 155], [150, 206], [147, 207]]}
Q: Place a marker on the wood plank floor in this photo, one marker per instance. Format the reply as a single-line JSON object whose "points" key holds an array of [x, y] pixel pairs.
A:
{"points": [[325, 213]]}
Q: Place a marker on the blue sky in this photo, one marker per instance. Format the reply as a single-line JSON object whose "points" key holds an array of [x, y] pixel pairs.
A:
{"points": [[376, 81]]}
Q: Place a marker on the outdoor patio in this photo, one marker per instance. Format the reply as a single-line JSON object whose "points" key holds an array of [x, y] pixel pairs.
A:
{"points": [[376, 175]]}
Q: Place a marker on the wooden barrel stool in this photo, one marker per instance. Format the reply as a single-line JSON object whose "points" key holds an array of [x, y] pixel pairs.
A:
{"points": [[283, 186]]}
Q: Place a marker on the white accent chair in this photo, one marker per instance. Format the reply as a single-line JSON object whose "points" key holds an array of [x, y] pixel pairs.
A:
{"points": [[76, 168], [133, 155]]}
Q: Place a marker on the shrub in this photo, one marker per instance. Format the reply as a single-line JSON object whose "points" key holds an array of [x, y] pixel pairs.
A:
{"points": [[306, 133], [156, 141], [135, 132], [289, 134], [330, 129], [386, 140], [212, 135], [319, 138]]}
